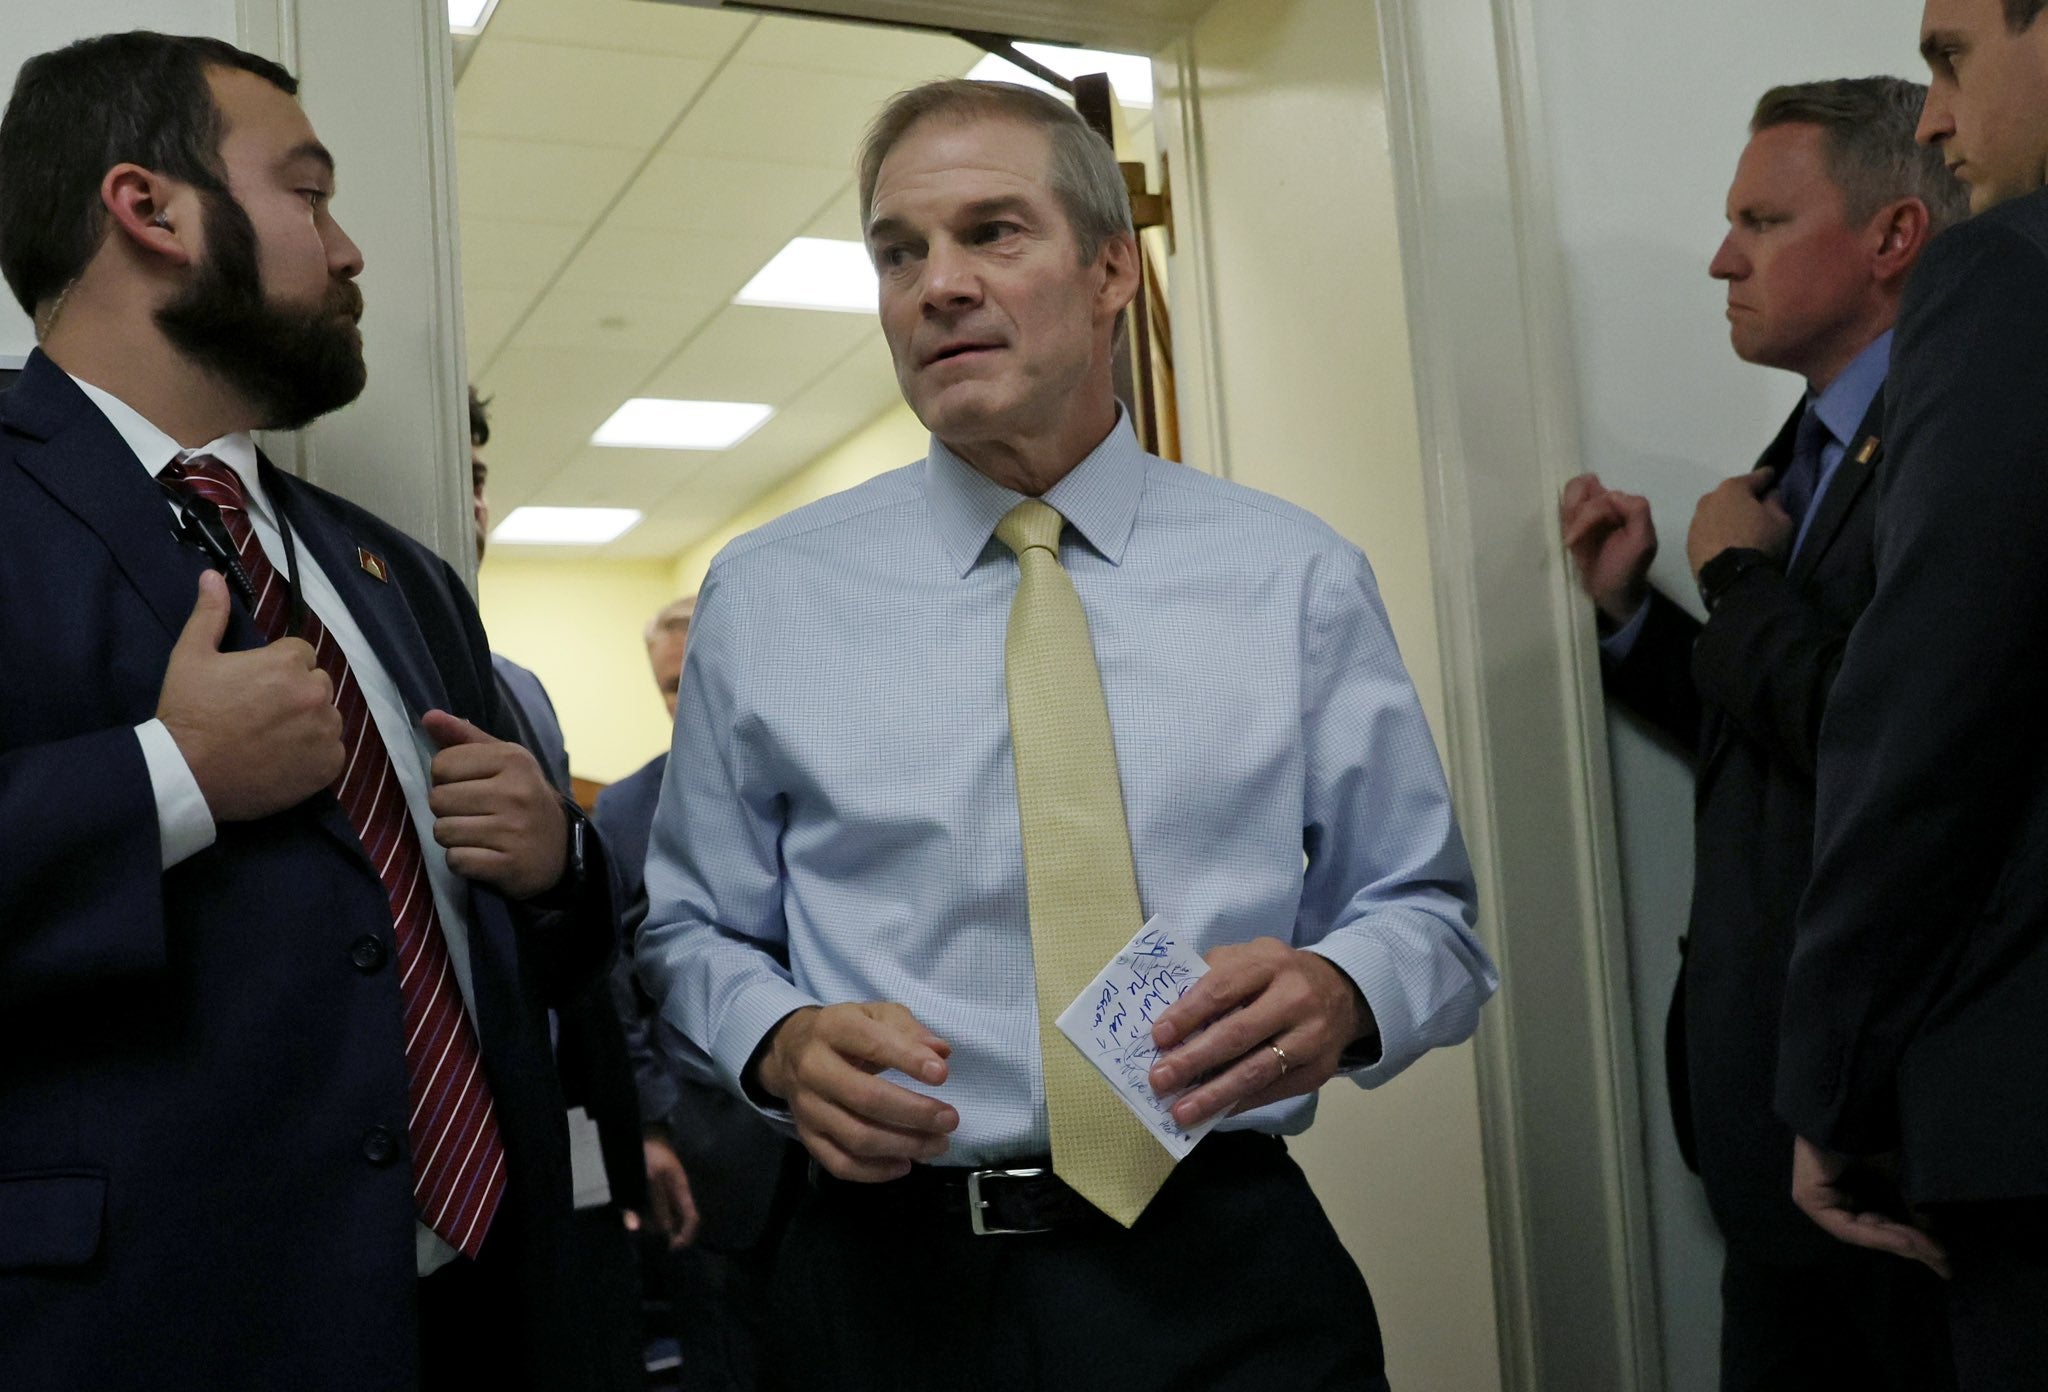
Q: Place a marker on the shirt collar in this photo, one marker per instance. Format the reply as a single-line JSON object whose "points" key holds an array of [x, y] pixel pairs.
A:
{"points": [[1098, 497], [157, 451], [1846, 401]]}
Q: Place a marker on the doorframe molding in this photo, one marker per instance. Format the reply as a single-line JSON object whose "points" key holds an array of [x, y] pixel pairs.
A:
{"points": [[381, 451], [1496, 394]]}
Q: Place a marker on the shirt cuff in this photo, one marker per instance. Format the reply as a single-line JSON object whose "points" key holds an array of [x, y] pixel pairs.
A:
{"points": [[1620, 643], [184, 822], [750, 1018]]}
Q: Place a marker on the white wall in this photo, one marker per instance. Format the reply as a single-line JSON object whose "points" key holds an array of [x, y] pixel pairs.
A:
{"points": [[33, 28], [1646, 109], [1296, 379]]}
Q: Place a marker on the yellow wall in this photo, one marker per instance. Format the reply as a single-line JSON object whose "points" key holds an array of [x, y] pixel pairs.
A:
{"points": [[578, 625], [1315, 402], [889, 441]]}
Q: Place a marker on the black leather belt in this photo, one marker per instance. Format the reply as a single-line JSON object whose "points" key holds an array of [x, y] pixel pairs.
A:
{"points": [[1021, 1196]]}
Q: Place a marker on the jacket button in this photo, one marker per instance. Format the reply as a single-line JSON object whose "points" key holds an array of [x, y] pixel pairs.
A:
{"points": [[368, 953], [380, 1147]]}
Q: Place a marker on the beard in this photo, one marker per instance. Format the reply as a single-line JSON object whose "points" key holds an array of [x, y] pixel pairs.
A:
{"points": [[292, 365]]}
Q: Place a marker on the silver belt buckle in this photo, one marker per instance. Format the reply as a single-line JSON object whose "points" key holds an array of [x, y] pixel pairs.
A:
{"points": [[977, 1205]]}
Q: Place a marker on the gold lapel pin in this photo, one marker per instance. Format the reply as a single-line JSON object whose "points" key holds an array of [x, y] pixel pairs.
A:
{"points": [[374, 564], [1869, 450]]}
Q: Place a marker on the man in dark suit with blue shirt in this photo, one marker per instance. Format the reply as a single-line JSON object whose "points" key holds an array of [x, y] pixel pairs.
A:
{"points": [[282, 914], [1914, 1060], [1829, 211]]}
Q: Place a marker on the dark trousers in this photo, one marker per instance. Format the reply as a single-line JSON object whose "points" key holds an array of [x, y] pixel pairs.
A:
{"points": [[476, 1328], [721, 1306], [1998, 1301], [467, 1339], [1858, 1322], [1232, 1281]]}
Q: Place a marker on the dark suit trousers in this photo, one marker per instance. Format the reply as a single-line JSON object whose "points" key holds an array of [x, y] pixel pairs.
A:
{"points": [[1858, 1322], [1232, 1281], [1998, 1301]]}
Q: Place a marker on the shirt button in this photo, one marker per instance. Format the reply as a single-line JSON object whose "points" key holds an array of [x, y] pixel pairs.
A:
{"points": [[368, 953], [380, 1147]]}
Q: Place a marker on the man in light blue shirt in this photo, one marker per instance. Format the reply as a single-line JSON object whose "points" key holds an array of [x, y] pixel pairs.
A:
{"points": [[838, 909]]}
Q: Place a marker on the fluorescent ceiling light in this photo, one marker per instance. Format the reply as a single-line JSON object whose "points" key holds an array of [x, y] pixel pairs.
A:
{"points": [[648, 422], [565, 526], [815, 273], [469, 16], [1130, 74]]}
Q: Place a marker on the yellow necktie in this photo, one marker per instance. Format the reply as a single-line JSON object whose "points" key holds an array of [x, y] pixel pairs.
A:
{"points": [[1082, 890]]}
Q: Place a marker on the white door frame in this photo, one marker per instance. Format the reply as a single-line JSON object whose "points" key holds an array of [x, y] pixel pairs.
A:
{"points": [[378, 86]]}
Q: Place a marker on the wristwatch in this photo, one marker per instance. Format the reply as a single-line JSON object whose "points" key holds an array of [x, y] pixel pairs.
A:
{"points": [[1719, 574], [565, 892]]}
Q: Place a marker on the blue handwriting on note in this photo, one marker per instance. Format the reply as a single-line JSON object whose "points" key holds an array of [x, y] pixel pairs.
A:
{"points": [[1111, 1024]]}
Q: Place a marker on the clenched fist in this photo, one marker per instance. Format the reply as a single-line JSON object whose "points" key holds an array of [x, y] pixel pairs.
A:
{"points": [[258, 728]]}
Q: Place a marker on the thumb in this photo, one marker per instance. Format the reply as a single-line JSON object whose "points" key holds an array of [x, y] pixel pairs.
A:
{"points": [[448, 730], [209, 620], [1762, 481]]}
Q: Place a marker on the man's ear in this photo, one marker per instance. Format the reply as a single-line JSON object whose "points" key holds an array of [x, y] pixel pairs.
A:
{"points": [[1118, 260], [139, 205], [1901, 230]]}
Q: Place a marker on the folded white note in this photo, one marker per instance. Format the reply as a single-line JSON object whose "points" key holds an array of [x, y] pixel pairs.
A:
{"points": [[1111, 1024]]}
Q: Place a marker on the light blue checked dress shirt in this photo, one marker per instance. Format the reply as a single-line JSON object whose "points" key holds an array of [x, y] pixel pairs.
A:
{"points": [[839, 817]]}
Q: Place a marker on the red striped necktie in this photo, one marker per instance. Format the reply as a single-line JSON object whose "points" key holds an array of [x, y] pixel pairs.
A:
{"points": [[458, 1157]]}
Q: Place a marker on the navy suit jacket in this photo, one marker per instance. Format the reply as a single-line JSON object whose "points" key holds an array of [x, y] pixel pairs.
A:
{"points": [[1914, 1006], [202, 1069]]}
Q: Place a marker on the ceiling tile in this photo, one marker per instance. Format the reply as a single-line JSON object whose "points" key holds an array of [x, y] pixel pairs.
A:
{"points": [[860, 386], [578, 96], [545, 403], [661, 264], [632, 26], [514, 255], [634, 478], [902, 55], [533, 181], [722, 196], [841, 219], [760, 113], [751, 354], [487, 316], [613, 323]]}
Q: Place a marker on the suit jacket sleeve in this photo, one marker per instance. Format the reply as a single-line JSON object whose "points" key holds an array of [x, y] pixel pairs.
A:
{"points": [[81, 883], [1935, 730], [1655, 679], [1767, 658]]}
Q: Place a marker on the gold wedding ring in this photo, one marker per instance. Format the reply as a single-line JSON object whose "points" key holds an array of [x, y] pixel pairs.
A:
{"points": [[1281, 1054]]}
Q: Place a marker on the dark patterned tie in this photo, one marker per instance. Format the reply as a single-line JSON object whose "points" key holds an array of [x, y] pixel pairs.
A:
{"points": [[1800, 479], [458, 1157]]}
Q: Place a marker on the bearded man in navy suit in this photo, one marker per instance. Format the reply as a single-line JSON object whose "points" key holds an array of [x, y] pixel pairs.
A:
{"points": [[282, 914]]}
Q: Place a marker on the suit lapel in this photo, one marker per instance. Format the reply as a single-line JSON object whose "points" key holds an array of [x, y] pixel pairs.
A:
{"points": [[1852, 476], [78, 457], [1714, 738], [378, 606]]}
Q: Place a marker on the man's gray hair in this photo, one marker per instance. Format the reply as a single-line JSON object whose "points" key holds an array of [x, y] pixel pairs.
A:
{"points": [[674, 617], [1083, 173], [1867, 126]]}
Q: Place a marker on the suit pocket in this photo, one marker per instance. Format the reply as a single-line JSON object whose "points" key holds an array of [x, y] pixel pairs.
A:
{"points": [[50, 1219]]}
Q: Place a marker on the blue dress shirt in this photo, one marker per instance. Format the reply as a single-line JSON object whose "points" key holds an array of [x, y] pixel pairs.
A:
{"points": [[1841, 408], [843, 825]]}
